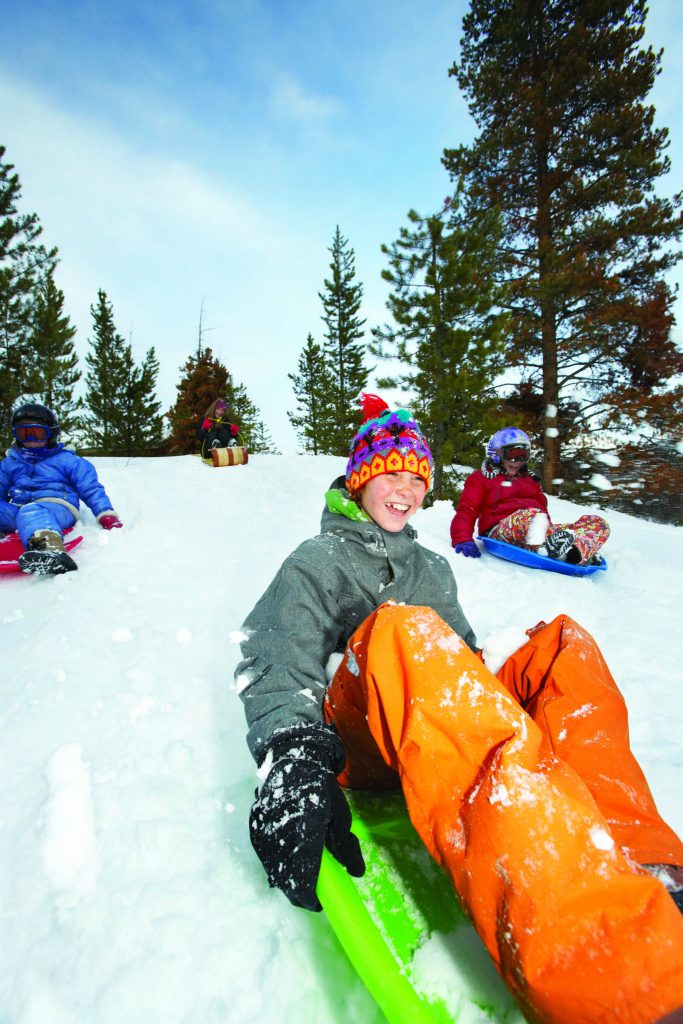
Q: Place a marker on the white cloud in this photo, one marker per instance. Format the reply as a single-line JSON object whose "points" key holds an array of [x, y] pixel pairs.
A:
{"points": [[289, 101], [73, 164]]}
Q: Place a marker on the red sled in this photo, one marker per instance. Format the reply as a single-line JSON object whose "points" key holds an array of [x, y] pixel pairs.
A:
{"points": [[11, 547]]}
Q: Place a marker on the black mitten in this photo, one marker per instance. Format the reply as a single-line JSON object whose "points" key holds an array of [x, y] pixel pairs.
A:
{"points": [[300, 809]]}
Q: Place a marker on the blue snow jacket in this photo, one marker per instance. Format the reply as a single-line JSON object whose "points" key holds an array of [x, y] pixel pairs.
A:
{"points": [[58, 474]]}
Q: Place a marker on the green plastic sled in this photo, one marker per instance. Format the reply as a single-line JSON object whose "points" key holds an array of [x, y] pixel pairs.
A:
{"points": [[403, 928]]}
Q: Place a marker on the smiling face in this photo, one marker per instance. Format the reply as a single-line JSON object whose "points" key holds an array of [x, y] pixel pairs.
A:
{"points": [[512, 468], [392, 499], [514, 458]]}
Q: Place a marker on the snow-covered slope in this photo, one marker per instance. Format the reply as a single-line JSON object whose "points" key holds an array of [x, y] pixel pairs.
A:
{"points": [[129, 891]]}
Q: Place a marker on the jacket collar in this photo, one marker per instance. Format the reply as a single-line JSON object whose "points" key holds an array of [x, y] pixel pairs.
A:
{"points": [[33, 455]]}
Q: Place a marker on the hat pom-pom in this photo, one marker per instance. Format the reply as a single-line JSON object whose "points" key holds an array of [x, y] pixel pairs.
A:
{"points": [[371, 406]]}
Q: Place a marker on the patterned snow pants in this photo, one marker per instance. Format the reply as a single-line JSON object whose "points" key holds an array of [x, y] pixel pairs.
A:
{"points": [[524, 787], [590, 532]]}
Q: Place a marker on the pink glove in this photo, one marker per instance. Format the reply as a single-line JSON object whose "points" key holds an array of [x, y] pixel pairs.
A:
{"points": [[234, 429], [110, 521], [206, 425]]}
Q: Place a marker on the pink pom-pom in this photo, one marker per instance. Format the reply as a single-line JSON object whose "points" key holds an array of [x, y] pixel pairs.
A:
{"points": [[371, 406]]}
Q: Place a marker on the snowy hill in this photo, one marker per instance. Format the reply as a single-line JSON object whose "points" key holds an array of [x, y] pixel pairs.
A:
{"points": [[130, 892]]}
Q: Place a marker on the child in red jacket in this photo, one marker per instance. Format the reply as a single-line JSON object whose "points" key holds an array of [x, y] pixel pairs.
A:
{"points": [[510, 505]]}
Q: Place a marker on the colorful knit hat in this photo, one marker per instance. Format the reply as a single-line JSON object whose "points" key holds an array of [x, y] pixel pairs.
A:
{"points": [[387, 442]]}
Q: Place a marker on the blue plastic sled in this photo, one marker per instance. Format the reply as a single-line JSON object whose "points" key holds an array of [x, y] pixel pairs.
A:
{"points": [[510, 553]]}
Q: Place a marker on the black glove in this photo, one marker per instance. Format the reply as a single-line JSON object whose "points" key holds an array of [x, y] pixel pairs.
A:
{"points": [[300, 809]]}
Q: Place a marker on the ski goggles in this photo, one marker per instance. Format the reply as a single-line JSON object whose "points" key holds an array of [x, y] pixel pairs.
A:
{"points": [[516, 454], [24, 432]]}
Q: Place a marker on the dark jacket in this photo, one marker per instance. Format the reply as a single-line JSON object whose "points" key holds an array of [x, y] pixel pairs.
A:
{"points": [[322, 592], [215, 433], [489, 496]]}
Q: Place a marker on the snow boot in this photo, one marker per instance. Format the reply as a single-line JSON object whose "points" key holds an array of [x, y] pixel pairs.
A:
{"points": [[671, 877], [559, 544], [45, 555]]}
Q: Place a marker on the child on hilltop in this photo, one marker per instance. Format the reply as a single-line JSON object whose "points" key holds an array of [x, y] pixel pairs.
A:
{"points": [[507, 501], [215, 430], [41, 487], [552, 840]]}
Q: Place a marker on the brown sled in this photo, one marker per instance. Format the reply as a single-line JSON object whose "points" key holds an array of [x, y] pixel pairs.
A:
{"points": [[228, 457]]}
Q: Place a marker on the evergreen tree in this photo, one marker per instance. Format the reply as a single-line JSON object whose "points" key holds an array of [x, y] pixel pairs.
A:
{"points": [[344, 354], [22, 260], [568, 150], [55, 369], [242, 410], [204, 380], [312, 387], [261, 441], [106, 379], [123, 410], [448, 328], [141, 425]]}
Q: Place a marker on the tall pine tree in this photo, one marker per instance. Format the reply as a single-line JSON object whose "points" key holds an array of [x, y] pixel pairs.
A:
{"points": [[55, 371], [205, 379], [313, 391], [344, 353], [123, 410], [22, 260], [568, 150], [248, 417], [448, 328], [141, 426], [106, 379]]}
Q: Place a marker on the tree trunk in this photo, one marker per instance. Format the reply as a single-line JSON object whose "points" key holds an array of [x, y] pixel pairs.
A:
{"points": [[544, 234]]}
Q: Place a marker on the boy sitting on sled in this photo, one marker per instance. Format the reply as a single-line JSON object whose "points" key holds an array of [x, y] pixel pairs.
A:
{"points": [[41, 487], [541, 816]]}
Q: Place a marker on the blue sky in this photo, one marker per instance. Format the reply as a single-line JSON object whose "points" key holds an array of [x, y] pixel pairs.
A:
{"points": [[186, 152]]}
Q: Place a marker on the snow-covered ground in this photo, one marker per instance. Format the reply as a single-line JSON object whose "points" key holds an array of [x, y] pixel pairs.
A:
{"points": [[129, 890]]}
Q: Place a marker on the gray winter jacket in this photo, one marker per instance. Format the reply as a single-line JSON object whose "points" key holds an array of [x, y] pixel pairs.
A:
{"points": [[320, 595]]}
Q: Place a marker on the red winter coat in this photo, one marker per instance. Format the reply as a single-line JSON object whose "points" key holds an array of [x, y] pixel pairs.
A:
{"points": [[490, 499]]}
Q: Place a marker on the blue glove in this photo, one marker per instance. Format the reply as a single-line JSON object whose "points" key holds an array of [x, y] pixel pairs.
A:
{"points": [[469, 549]]}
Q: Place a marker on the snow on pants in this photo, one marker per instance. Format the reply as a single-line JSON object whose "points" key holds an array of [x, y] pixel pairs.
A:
{"points": [[590, 532], [36, 515], [525, 789]]}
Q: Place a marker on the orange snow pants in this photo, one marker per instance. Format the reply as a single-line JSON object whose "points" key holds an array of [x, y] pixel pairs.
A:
{"points": [[524, 788]]}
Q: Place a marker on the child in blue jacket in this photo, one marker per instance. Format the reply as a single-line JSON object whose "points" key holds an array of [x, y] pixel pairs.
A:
{"points": [[41, 487]]}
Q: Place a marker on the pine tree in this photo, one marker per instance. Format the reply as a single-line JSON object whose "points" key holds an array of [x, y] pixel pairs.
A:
{"points": [[261, 441], [448, 328], [107, 380], [204, 380], [55, 369], [242, 410], [344, 354], [151, 423], [123, 410], [141, 426], [312, 387], [22, 260], [568, 150]]}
